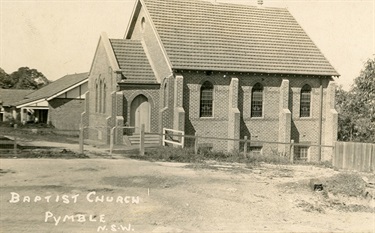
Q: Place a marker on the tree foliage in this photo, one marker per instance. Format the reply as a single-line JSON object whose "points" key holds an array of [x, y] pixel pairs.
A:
{"points": [[23, 78], [356, 107]]}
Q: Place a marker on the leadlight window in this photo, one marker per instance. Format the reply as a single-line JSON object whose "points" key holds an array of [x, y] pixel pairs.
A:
{"points": [[305, 104], [257, 101], [206, 101]]}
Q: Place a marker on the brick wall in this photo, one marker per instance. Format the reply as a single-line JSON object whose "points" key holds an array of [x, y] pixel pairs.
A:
{"points": [[153, 49], [275, 101], [65, 114], [166, 103], [100, 122], [152, 93]]}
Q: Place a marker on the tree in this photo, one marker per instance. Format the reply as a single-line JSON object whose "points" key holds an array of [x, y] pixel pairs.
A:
{"points": [[23, 78], [357, 107]]}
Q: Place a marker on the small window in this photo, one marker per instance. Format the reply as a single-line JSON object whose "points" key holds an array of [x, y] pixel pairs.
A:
{"points": [[206, 101], [302, 153], [257, 101], [305, 104], [256, 150]]}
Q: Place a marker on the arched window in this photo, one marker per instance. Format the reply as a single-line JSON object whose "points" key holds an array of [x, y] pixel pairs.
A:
{"points": [[206, 101], [165, 100], [96, 97], [104, 97], [257, 100], [100, 95], [305, 104]]}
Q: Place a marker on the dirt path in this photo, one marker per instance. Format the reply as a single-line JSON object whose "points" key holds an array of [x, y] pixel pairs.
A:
{"points": [[172, 198]]}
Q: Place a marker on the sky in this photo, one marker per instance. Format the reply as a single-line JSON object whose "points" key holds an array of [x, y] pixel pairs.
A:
{"points": [[59, 37]]}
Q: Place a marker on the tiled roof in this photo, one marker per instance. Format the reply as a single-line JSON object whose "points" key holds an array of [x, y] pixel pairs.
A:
{"points": [[230, 37], [133, 61], [10, 96], [54, 87]]}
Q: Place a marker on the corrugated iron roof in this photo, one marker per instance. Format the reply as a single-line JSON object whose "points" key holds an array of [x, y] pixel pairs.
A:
{"points": [[221, 36], [54, 87], [10, 96], [133, 61]]}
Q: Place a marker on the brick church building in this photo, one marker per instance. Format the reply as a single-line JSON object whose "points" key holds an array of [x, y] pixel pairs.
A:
{"points": [[216, 69]]}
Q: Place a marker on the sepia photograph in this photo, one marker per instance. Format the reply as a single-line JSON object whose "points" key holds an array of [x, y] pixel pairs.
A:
{"points": [[187, 116]]}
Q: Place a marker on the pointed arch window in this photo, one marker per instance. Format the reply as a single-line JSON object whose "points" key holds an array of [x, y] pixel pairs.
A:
{"points": [[100, 95], [104, 97], [305, 104], [206, 100], [96, 97], [257, 100]]}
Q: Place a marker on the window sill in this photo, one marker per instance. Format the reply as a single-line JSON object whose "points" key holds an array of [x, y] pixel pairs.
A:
{"points": [[257, 118], [305, 118]]}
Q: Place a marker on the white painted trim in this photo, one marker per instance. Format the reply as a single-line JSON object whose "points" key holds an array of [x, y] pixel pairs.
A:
{"points": [[67, 89], [28, 103]]}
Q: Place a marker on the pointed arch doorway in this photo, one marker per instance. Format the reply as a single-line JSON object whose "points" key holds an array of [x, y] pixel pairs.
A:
{"points": [[140, 113]]}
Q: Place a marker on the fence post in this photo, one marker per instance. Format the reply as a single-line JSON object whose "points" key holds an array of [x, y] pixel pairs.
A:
{"points": [[111, 140], [15, 142], [196, 143], [142, 141], [183, 139], [15, 145], [292, 151], [81, 138], [163, 137], [245, 148]]}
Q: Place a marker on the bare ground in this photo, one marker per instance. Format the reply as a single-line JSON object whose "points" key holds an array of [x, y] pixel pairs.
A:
{"points": [[172, 198]]}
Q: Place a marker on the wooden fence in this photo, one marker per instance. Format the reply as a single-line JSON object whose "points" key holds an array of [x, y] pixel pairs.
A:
{"points": [[354, 156]]}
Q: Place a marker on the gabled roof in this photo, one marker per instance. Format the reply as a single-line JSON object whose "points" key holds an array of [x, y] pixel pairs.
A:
{"points": [[55, 87], [8, 97], [202, 35], [133, 61]]}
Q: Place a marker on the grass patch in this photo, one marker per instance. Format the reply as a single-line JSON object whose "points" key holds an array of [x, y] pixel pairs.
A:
{"points": [[348, 184], [171, 154], [52, 154]]}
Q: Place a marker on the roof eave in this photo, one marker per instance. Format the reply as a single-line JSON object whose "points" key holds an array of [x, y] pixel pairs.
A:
{"points": [[334, 74], [67, 89]]}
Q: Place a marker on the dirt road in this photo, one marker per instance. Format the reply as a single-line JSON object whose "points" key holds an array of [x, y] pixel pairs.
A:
{"points": [[121, 195]]}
